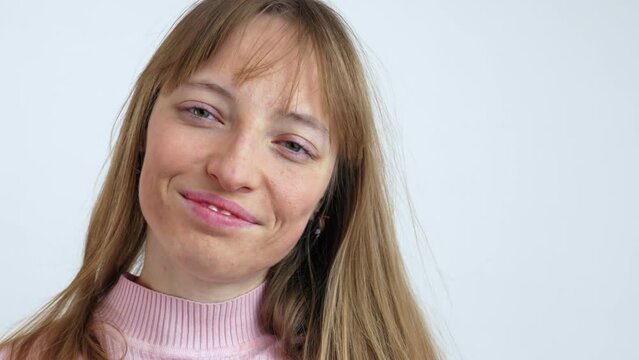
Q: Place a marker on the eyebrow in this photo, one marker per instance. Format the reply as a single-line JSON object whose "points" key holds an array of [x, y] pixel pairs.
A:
{"points": [[213, 87], [308, 120]]}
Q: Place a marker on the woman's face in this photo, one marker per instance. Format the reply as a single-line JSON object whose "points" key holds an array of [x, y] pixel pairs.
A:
{"points": [[213, 141]]}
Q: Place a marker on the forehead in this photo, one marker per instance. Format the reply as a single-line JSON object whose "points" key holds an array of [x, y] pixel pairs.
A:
{"points": [[263, 43], [265, 59]]}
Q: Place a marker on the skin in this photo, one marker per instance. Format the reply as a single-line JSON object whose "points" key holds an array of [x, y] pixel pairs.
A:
{"points": [[245, 150]]}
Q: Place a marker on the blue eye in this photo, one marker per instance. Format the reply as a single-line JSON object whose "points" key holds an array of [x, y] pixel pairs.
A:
{"points": [[297, 149], [294, 146], [199, 112]]}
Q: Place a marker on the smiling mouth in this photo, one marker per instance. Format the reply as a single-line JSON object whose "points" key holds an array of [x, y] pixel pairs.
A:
{"points": [[225, 208], [215, 216], [219, 211]]}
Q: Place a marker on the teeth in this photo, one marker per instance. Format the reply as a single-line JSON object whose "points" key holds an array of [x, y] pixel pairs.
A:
{"points": [[223, 212]]}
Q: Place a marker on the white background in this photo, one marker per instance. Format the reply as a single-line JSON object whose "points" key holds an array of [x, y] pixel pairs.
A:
{"points": [[518, 120]]}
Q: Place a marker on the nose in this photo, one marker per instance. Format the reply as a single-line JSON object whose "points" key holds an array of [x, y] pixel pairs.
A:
{"points": [[233, 164]]}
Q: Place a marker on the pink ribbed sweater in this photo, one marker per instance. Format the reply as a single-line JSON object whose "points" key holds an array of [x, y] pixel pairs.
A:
{"points": [[160, 326]]}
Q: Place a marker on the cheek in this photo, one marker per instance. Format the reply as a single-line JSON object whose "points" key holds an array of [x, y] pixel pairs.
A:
{"points": [[167, 148], [294, 202], [164, 157]]}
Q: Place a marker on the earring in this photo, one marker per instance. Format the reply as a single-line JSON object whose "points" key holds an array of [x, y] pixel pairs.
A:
{"points": [[320, 226], [138, 168]]}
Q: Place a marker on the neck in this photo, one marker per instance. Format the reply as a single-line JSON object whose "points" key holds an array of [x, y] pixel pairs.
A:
{"points": [[162, 275]]}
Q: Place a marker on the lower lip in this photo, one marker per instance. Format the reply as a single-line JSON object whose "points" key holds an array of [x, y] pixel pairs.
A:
{"points": [[215, 219]]}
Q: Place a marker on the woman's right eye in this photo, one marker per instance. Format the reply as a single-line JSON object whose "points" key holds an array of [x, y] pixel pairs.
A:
{"points": [[200, 113]]}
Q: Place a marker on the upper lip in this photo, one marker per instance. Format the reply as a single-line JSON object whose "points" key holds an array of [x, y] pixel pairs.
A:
{"points": [[220, 203]]}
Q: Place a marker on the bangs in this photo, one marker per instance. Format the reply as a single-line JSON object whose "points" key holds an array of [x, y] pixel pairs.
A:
{"points": [[314, 34], [199, 46]]}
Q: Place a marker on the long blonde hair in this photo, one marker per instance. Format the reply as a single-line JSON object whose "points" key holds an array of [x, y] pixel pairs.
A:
{"points": [[342, 296]]}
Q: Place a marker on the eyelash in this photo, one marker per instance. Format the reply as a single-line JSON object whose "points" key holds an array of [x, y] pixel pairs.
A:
{"points": [[191, 108], [306, 152]]}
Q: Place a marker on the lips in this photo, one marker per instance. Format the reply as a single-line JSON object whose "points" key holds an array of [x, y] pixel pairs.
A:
{"points": [[221, 204]]}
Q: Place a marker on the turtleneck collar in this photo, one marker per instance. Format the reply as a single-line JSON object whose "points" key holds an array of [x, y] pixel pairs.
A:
{"points": [[157, 319]]}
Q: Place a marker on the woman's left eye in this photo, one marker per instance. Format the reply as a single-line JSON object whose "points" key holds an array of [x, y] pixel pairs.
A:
{"points": [[293, 146], [296, 148]]}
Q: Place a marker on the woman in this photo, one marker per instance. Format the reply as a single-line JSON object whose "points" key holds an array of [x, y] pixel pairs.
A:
{"points": [[248, 174]]}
